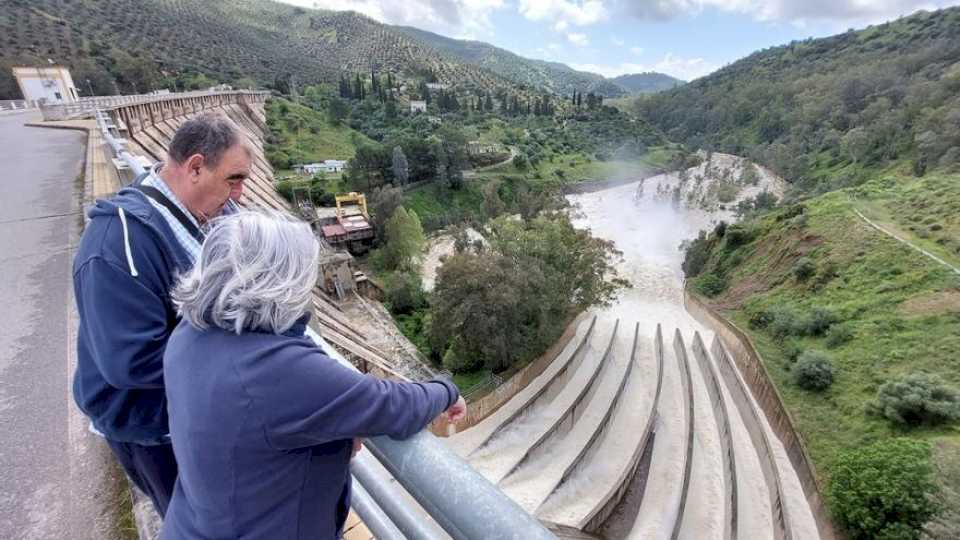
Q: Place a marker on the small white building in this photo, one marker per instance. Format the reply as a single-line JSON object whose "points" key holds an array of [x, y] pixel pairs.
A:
{"points": [[436, 86], [326, 166], [46, 84], [418, 106]]}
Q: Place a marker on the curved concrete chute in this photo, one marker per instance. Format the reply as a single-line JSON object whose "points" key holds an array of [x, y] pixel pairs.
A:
{"points": [[571, 412], [605, 422], [740, 395], [684, 363], [467, 442], [720, 409], [546, 467], [597, 485], [509, 448]]}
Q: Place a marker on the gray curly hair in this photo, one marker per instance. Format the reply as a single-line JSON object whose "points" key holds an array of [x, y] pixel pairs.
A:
{"points": [[256, 273]]}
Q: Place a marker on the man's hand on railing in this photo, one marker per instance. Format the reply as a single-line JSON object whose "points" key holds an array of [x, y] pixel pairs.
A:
{"points": [[457, 411]]}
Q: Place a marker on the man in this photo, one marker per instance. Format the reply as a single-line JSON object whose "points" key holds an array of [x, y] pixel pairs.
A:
{"points": [[134, 247]]}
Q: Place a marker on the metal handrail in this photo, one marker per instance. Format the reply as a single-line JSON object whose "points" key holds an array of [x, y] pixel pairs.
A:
{"points": [[464, 503]]}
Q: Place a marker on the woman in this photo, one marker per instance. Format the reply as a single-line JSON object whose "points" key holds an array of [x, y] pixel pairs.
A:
{"points": [[262, 420]]}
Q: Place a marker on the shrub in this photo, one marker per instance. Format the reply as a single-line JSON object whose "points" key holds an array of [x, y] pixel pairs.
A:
{"points": [[813, 371], [709, 285], [884, 490], [458, 362], [817, 322], [783, 321], [760, 319], [839, 335], [918, 398], [736, 236], [403, 291], [792, 351], [804, 268]]}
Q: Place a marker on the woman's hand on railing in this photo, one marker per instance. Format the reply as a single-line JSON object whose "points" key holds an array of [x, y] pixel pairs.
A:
{"points": [[457, 411]]}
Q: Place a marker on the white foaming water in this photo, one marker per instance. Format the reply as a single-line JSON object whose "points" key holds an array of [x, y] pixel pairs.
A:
{"points": [[648, 230]]}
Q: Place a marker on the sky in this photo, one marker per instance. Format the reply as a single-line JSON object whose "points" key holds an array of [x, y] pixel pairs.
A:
{"points": [[682, 38]]}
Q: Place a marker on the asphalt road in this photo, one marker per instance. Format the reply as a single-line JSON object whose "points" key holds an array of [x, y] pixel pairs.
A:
{"points": [[56, 480]]}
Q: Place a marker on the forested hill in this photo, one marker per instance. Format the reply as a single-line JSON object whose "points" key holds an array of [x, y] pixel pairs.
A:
{"points": [[647, 83], [823, 112], [141, 45], [553, 76], [137, 42]]}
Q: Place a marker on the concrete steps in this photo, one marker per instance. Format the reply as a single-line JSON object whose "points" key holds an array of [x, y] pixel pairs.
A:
{"points": [[466, 442], [508, 448], [551, 464]]}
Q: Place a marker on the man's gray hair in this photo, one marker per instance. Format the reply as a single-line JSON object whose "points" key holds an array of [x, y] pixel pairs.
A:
{"points": [[209, 134], [256, 273]]}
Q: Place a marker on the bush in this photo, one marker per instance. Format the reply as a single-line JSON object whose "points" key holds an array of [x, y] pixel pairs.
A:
{"points": [[838, 335], [817, 322], [736, 236], [760, 319], [403, 291], [457, 362], [709, 285], [813, 371], [792, 351], [804, 268], [884, 490], [783, 321], [918, 398]]}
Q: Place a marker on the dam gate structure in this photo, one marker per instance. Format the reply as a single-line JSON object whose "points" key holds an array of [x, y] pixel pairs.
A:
{"points": [[618, 402]]}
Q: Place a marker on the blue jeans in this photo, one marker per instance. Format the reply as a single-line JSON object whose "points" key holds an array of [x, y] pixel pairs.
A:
{"points": [[153, 469]]}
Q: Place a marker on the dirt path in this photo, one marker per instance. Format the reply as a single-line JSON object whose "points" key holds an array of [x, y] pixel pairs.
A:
{"points": [[869, 222]]}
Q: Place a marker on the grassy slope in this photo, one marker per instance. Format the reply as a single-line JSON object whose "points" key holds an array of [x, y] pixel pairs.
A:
{"points": [[903, 308], [316, 140]]}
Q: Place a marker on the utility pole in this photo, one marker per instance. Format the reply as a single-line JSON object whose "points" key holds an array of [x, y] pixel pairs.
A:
{"points": [[90, 86]]}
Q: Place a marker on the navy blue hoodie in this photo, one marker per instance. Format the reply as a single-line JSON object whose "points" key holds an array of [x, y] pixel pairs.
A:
{"points": [[262, 427], [125, 266]]}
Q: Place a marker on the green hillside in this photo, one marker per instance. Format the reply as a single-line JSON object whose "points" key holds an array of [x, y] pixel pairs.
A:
{"points": [[552, 76], [826, 112], [646, 83], [866, 125], [814, 276], [143, 44]]}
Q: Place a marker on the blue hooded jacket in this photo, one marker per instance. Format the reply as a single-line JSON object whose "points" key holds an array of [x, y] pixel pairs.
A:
{"points": [[124, 269], [262, 427]]}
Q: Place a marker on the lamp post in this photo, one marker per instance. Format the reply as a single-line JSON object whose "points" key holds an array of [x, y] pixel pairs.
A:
{"points": [[90, 87]]}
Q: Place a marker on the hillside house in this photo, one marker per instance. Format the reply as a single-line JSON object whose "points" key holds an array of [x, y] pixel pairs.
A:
{"points": [[325, 166], [418, 106]]}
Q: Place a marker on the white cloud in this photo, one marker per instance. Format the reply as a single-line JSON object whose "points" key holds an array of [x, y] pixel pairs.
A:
{"points": [[580, 40], [636, 50], [617, 41], [564, 12], [456, 18], [796, 11], [682, 68]]}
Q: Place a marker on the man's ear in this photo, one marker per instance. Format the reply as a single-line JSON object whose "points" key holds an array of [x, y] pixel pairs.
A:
{"points": [[194, 163]]}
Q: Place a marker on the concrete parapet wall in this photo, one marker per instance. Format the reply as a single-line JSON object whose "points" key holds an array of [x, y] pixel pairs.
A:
{"points": [[86, 106], [139, 115], [754, 374]]}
